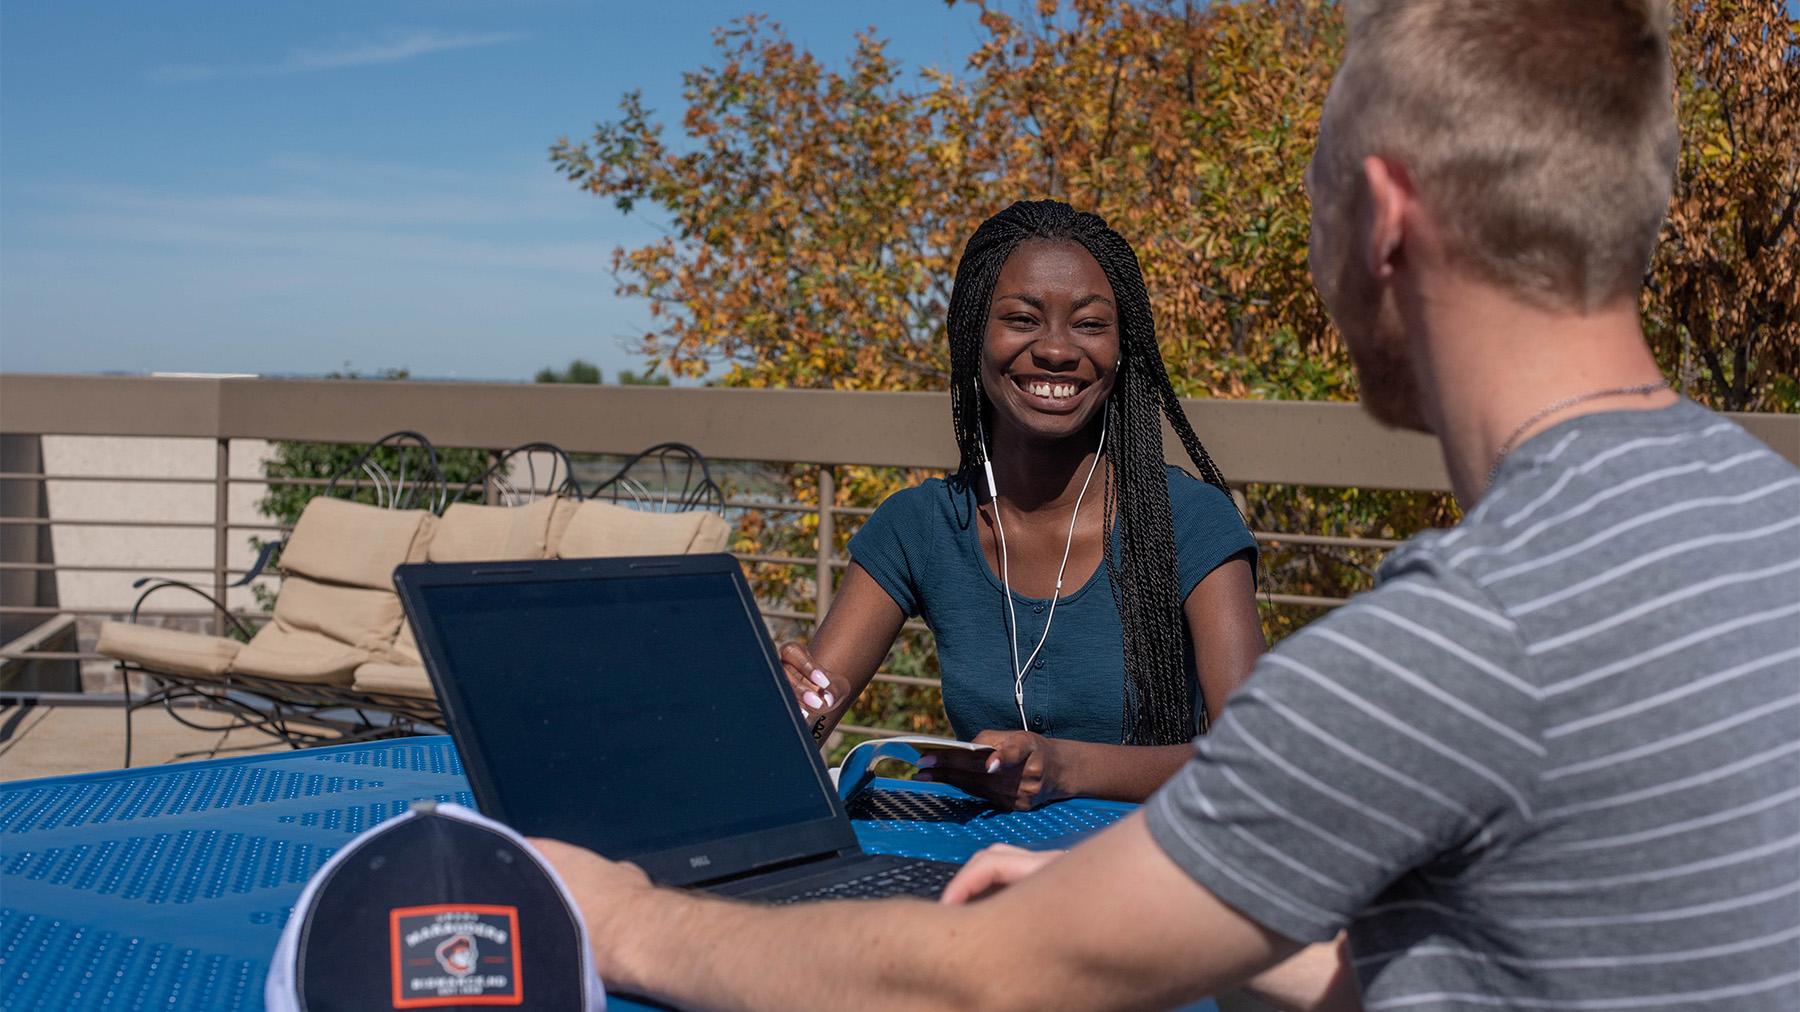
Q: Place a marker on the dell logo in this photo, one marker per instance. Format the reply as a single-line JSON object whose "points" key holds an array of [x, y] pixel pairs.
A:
{"points": [[699, 861]]}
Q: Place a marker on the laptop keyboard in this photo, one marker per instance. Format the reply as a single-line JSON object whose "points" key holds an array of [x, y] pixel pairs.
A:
{"points": [[914, 878]]}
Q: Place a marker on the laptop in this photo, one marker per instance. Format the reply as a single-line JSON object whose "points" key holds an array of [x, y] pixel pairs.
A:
{"points": [[636, 707]]}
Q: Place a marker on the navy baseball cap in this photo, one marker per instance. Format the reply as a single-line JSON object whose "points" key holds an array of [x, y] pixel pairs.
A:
{"points": [[438, 908]]}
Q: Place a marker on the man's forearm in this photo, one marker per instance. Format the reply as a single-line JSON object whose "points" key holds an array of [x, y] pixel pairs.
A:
{"points": [[1114, 924], [697, 951]]}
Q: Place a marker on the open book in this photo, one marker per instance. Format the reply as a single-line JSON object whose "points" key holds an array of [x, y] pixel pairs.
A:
{"points": [[859, 766]]}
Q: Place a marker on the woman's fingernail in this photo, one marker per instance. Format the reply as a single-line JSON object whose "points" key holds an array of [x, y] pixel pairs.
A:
{"points": [[830, 700], [812, 699], [926, 762], [819, 679], [805, 714], [994, 765]]}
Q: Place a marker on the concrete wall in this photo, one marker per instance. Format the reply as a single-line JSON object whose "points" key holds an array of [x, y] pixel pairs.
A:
{"points": [[181, 553]]}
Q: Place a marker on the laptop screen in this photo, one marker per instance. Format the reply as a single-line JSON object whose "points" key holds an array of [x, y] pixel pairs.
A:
{"points": [[628, 714]]}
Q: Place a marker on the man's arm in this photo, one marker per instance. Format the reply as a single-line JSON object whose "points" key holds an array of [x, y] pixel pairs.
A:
{"points": [[1318, 978], [1115, 924]]}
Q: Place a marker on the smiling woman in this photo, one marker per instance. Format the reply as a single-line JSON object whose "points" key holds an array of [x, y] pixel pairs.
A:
{"points": [[1091, 604]]}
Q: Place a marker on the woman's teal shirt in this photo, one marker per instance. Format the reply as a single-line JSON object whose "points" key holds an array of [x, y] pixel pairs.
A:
{"points": [[923, 547]]}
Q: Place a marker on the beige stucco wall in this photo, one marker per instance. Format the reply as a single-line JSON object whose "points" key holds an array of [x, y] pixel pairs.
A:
{"points": [[182, 553]]}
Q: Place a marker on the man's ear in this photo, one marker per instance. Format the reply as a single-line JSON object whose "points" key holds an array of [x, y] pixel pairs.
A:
{"points": [[1390, 192]]}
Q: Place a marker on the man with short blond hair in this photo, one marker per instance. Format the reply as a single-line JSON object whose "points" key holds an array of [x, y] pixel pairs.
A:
{"points": [[1541, 132], [1549, 762]]}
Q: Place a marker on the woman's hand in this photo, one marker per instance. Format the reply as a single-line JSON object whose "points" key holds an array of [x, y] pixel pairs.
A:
{"points": [[993, 869], [1025, 770], [814, 690], [847, 646]]}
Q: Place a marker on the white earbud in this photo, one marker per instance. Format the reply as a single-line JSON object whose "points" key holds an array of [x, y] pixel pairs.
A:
{"points": [[1020, 670]]}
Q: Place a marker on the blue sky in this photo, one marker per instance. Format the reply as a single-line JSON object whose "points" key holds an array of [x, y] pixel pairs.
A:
{"points": [[290, 187]]}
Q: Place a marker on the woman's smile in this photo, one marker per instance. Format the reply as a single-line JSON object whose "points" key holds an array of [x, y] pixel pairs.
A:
{"points": [[1053, 394]]}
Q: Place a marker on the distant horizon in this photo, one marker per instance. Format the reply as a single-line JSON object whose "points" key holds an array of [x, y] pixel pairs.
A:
{"points": [[609, 377]]}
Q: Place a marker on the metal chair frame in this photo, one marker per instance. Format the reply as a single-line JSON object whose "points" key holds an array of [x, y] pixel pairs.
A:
{"points": [[496, 485], [426, 489], [686, 482]]}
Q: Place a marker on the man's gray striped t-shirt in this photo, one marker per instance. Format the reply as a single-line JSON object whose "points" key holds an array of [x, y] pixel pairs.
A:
{"points": [[1551, 762]]}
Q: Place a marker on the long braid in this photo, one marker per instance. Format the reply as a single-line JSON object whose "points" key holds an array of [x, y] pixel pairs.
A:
{"points": [[1159, 697]]}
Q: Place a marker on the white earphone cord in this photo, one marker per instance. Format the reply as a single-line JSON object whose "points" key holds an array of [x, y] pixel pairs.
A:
{"points": [[1012, 632]]}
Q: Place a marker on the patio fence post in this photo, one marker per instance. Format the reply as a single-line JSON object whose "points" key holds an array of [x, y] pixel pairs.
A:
{"points": [[221, 526], [827, 539]]}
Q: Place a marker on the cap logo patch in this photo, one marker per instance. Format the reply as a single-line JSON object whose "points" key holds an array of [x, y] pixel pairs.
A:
{"points": [[455, 954]]}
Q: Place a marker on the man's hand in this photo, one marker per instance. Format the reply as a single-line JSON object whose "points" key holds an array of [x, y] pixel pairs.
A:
{"points": [[993, 870], [603, 890], [1025, 770]]}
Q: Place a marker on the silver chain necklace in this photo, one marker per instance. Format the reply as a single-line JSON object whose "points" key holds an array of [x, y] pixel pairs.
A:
{"points": [[1566, 402]]}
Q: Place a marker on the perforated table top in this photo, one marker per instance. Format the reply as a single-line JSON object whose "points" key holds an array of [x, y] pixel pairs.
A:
{"points": [[167, 887]]}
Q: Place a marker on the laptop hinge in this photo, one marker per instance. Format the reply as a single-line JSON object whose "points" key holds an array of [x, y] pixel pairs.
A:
{"points": [[774, 866]]}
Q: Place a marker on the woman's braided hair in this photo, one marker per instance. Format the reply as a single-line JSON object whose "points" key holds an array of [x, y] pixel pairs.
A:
{"points": [[1160, 704]]}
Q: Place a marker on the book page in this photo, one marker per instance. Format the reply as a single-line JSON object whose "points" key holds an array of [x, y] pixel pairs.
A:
{"points": [[858, 770]]}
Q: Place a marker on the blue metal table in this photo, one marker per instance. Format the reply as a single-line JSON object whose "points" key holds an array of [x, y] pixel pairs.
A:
{"points": [[167, 887]]}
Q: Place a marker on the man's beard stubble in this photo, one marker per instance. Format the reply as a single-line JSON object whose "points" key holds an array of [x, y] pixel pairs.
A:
{"points": [[1373, 331]]}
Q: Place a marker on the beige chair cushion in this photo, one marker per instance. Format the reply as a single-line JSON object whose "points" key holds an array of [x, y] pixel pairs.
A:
{"points": [[322, 632], [602, 530], [406, 648], [470, 533], [298, 655], [179, 653], [560, 518], [355, 617], [354, 543], [394, 679]]}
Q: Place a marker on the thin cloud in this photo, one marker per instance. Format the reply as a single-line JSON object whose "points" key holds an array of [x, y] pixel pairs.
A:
{"points": [[396, 48]]}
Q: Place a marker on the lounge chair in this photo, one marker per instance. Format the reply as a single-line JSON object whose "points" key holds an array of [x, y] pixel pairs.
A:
{"points": [[336, 612], [337, 662], [674, 511], [536, 485]]}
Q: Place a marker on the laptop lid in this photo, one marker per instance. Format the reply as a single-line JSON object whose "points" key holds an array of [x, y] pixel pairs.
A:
{"points": [[632, 706]]}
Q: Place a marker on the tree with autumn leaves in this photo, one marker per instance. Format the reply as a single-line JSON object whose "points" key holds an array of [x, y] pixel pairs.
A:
{"points": [[1723, 302], [816, 213]]}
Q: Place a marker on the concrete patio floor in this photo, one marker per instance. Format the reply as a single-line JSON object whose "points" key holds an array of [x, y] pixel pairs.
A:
{"points": [[49, 741]]}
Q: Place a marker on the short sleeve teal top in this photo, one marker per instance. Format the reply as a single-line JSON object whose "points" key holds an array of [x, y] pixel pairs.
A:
{"points": [[923, 547]]}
